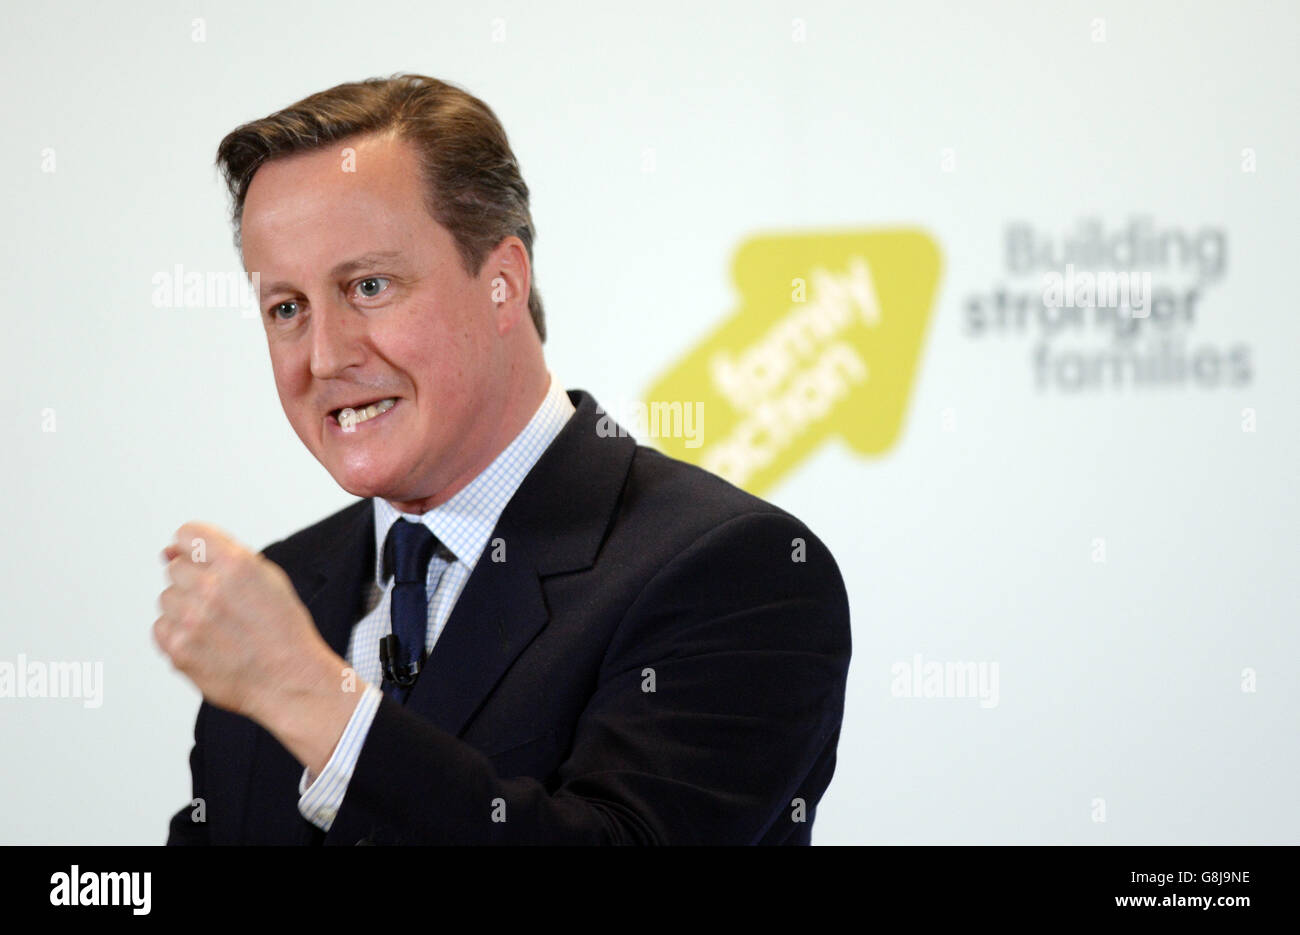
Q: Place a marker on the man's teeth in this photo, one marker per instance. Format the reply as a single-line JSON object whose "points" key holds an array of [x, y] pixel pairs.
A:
{"points": [[350, 416]]}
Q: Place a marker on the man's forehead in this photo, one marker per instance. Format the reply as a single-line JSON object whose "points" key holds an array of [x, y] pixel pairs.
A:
{"points": [[352, 171], [364, 156], [314, 203]]}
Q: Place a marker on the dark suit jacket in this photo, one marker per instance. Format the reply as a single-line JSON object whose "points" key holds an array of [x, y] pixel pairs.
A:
{"points": [[652, 663]]}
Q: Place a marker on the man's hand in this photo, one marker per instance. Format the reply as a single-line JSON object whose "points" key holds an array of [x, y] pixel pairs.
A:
{"points": [[232, 622]]}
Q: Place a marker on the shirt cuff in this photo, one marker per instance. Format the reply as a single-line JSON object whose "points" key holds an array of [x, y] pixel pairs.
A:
{"points": [[320, 799]]}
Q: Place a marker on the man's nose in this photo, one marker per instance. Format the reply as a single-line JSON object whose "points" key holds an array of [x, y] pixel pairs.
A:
{"points": [[337, 339]]}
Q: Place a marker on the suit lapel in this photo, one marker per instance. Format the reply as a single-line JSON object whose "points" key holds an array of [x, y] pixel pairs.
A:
{"points": [[497, 614]]}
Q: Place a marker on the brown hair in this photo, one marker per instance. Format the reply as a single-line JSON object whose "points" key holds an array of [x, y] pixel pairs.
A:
{"points": [[475, 189]]}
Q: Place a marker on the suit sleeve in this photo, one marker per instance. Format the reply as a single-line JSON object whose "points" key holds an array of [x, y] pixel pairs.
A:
{"points": [[716, 714], [184, 829]]}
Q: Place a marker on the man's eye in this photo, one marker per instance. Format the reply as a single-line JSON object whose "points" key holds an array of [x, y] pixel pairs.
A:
{"points": [[371, 287], [276, 309]]}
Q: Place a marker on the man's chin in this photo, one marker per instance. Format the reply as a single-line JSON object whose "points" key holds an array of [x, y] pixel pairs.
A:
{"points": [[362, 482]]}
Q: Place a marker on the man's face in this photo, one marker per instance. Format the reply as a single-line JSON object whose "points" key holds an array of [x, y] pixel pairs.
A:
{"points": [[365, 301]]}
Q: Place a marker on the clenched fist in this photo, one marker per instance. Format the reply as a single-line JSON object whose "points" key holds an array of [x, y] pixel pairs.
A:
{"points": [[232, 622]]}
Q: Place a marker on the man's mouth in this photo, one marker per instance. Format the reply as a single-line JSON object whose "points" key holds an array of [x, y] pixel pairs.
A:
{"points": [[355, 415]]}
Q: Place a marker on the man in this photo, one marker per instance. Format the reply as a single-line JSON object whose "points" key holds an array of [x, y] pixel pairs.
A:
{"points": [[529, 629]]}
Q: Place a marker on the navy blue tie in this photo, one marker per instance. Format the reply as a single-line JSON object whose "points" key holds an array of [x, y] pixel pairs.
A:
{"points": [[407, 551]]}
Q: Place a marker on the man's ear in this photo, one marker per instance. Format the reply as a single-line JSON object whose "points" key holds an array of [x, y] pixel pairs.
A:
{"points": [[509, 276]]}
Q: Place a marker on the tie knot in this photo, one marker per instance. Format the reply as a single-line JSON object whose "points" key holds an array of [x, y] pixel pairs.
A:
{"points": [[407, 551]]}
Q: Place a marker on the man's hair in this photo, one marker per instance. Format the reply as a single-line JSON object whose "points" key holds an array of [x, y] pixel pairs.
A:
{"points": [[472, 179]]}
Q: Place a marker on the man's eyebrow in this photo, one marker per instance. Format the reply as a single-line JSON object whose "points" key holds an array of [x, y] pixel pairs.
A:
{"points": [[364, 261]]}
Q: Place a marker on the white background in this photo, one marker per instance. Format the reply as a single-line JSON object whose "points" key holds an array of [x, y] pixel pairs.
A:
{"points": [[1119, 681]]}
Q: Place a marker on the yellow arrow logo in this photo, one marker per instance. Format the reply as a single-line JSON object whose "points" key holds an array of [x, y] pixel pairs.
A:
{"points": [[825, 343]]}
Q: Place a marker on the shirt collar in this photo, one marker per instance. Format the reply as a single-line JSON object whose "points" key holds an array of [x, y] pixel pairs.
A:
{"points": [[464, 523]]}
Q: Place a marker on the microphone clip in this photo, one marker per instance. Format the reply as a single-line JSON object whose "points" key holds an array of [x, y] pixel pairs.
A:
{"points": [[399, 673]]}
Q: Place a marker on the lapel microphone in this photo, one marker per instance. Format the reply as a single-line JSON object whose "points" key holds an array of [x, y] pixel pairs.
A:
{"points": [[390, 651]]}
